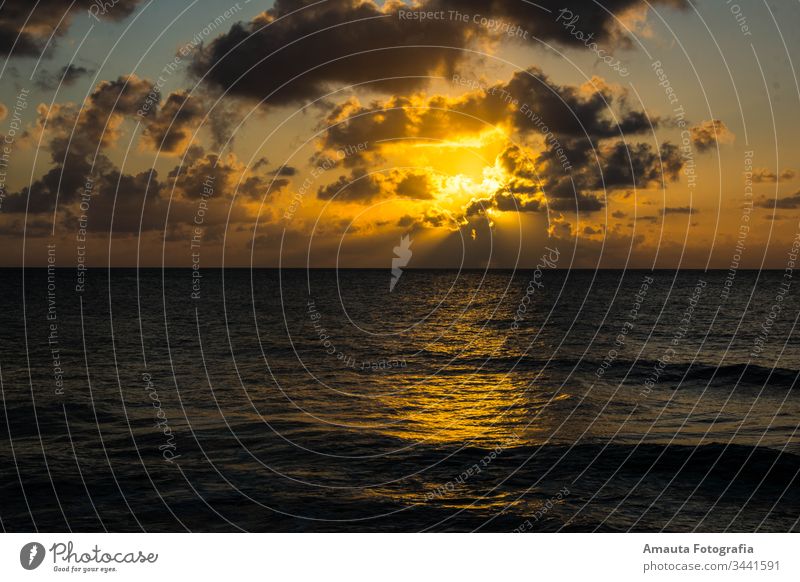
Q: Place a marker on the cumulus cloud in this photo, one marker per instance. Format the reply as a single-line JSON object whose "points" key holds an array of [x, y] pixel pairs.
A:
{"points": [[709, 134], [584, 134], [26, 27], [412, 118], [504, 202], [361, 186], [224, 175], [609, 167], [297, 50], [764, 175], [576, 124], [544, 107], [627, 165], [571, 111], [589, 124], [130, 204], [77, 139], [169, 130]]}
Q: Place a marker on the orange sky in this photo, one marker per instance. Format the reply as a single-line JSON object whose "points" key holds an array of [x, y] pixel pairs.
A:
{"points": [[291, 135]]}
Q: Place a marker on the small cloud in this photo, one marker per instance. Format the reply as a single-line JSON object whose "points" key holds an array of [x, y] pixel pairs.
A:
{"points": [[618, 214], [678, 210], [763, 175], [432, 218], [284, 171], [709, 134], [789, 203], [650, 219], [66, 76]]}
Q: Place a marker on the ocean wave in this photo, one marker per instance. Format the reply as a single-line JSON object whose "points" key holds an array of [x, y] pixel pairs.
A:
{"points": [[680, 373]]}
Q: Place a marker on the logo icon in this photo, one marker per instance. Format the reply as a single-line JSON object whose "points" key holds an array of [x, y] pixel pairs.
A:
{"points": [[402, 256], [31, 555]]}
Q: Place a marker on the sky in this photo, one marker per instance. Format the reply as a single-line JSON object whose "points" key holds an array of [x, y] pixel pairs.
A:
{"points": [[632, 134]]}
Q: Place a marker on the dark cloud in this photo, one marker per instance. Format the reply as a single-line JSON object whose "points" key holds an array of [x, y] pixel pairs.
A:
{"points": [[570, 111], [764, 175], [505, 202], [124, 204], [129, 204], [545, 109], [361, 186], [209, 175], [612, 166], [678, 210], [521, 192], [637, 165], [77, 139], [123, 96], [709, 134], [296, 50], [517, 163], [67, 76], [408, 117], [357, 187], [26, 26], [574, 123], [577, 203], [283, 171], [478, 207], [68, 179], [170, 129], [788, 203], [431, 218], [597, 19], [415, 186]]}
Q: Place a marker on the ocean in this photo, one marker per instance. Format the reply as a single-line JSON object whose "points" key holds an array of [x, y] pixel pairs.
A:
{"points": [[321, 400]]}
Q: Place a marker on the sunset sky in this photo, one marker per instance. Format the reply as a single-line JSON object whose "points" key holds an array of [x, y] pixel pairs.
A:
{"points": [[296, 133]]}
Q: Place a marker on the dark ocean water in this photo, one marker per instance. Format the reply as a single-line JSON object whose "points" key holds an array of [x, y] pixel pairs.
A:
{"points": [[321, 401]]}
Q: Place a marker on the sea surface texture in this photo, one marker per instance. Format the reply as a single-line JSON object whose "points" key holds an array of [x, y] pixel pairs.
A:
{"points": [[294, 400]]}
